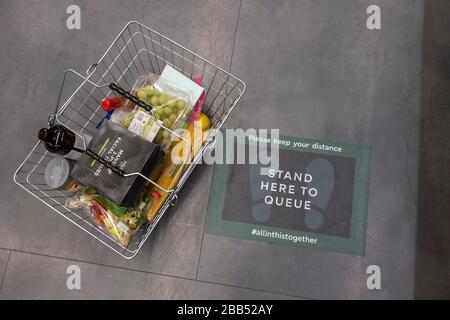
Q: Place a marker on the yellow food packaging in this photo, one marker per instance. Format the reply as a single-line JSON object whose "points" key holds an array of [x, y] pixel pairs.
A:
{"points": [[174, 165]]}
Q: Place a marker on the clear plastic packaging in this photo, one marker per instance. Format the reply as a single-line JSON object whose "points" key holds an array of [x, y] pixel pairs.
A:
{"points": [[171, 109], [119, 222]]}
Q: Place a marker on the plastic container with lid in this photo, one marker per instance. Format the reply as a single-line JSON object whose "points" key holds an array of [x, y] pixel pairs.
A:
{"points": [[57, 175], [172, 106]]}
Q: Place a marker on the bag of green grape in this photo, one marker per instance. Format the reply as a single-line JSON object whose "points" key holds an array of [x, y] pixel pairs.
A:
{"points": [[172, 98]]}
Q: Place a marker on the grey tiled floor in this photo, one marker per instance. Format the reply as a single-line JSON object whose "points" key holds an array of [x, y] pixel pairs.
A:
{"points": [[433, 256], [312, 69], [30, 276], [4, 259]]}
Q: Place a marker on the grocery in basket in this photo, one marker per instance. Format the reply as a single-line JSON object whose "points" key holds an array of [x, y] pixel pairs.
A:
{"points": [[140, 91], [172, 97], [121, 223], [57, 175], [117, 201], [112, 153], [171, 169], [172, 101], [64, 142]]}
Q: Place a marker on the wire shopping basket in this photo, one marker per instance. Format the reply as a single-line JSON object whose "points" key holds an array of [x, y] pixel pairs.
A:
{"points": [[136, 51]]}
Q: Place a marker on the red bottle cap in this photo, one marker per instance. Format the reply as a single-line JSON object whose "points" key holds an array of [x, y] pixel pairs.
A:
{"points": [[111, 103], [106, 105]]}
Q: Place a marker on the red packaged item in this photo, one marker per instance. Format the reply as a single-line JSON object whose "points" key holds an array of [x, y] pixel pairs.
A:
{"points": [[112, 103]]}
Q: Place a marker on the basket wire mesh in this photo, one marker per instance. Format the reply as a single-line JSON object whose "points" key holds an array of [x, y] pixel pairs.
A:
{"points": [[137, 50]]}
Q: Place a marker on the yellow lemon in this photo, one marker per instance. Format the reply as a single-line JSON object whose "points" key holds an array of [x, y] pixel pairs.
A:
{"points": [[203, 122]]}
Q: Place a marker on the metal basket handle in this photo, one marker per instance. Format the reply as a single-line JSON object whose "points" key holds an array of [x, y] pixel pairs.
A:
{"points": [[127, 95], [130, 97]]}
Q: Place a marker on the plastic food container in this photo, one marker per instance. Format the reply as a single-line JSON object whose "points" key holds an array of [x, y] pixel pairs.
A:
{"points": [[171, 109], [57, 175]]}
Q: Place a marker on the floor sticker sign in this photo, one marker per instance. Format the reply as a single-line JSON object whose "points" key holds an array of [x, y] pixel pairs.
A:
{"points": [[316, 198]]}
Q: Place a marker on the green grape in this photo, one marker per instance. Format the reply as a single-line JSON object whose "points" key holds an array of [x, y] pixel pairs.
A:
{"points": [[167, 123], [154, 101], [159, 111], [149, 90], [159, 135], [181, 104], [126, 122], [162, 99], [141, 95], [173, 104], [173, 117], [168, 110], [156, 92], [165, 134]]}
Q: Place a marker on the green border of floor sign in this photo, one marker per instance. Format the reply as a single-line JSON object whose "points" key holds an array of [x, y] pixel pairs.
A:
{"points": [[355, 244]]}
